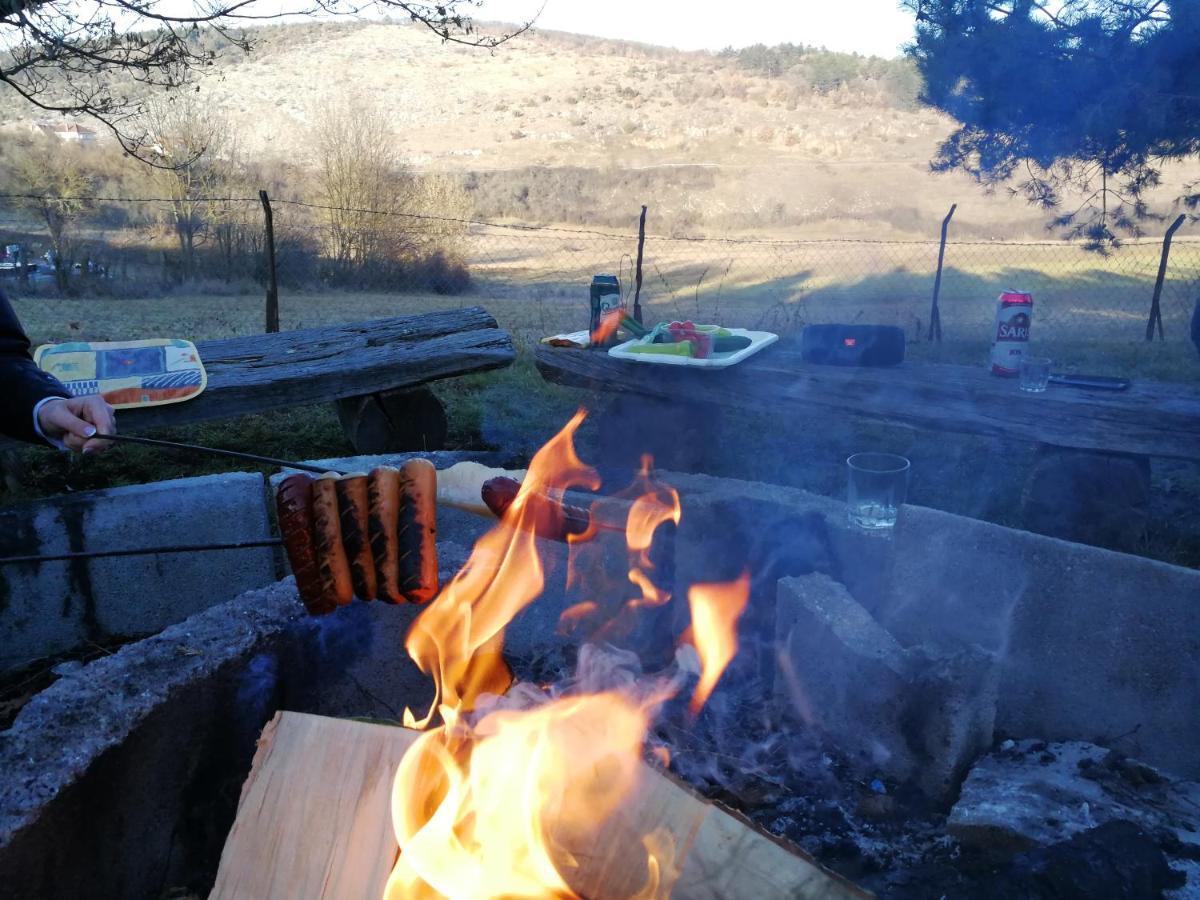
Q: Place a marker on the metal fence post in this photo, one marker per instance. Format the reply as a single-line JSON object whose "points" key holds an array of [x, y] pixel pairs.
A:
{"points": [[1155, 309], [637, 278], [272, 283], [935, 314]]}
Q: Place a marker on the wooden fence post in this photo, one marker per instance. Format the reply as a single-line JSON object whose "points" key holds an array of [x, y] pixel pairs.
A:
{"points": [[935, 314], [272, 283], [637, 278], [1155, 309]]}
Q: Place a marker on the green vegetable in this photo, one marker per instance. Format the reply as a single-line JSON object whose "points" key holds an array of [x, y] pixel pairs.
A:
{"points": [[682, 348], [731, 344]]}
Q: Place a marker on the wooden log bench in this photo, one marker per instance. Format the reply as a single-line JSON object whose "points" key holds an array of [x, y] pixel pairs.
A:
{"points": [[1095, 445], [376, 372]]}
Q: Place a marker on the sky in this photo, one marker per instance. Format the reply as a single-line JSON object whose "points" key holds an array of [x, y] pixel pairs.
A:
{"points": [[876, 27]]}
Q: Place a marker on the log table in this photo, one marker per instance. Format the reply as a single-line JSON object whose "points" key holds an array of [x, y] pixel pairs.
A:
{"points": [[375, 371], [1089, 439]]}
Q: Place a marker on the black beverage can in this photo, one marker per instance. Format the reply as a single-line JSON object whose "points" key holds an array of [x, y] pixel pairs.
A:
{"points": [[607, 309]]}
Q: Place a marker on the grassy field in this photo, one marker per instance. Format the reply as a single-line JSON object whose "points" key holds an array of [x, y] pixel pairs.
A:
{"points": [[1084, 318]]}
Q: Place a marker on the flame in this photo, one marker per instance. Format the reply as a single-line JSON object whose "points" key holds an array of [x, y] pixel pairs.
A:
{"points": [[458, 638], [608, 610], [504, 802], [489, 812], [607, 327], [716, 609]]}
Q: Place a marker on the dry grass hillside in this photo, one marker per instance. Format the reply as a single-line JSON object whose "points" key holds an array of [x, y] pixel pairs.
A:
{"points": [[574, 129], [579, 129]]}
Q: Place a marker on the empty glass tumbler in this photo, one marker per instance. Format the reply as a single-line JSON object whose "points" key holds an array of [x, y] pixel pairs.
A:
{"points": [[877, 486], [1035, 374]]}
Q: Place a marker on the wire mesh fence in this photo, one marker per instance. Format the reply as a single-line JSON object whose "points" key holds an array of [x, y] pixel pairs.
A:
{"points": [[534, 279]]}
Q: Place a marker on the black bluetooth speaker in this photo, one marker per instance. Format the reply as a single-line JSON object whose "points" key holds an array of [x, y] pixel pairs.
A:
{"points": [[853, 345]]}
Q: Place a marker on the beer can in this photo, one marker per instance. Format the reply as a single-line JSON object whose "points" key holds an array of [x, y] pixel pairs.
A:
{"points": [[606, 309], [1014, 313]]}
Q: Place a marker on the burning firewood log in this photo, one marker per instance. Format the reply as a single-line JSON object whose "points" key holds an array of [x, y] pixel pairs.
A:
{"points": [[315, 777]]}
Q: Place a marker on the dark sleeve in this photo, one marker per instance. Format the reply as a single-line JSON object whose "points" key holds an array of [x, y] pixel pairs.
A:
{"points": [[22, 384]]}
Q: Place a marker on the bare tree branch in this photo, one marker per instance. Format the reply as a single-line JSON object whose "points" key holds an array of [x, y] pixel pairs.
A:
{"points": [[69, 57]]}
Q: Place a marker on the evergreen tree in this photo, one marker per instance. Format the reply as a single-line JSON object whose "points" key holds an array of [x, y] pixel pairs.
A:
{"points": [[1090, 94]]}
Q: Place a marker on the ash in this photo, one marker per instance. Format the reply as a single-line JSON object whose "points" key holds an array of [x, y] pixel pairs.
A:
{"points": [[1135, 833]]}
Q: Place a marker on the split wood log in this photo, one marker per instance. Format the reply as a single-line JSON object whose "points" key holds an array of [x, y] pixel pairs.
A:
{"points": [[1149, 418], [314, 822]]}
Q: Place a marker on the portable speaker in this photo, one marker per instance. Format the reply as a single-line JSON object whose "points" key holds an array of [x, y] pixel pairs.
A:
{"points": [[853, 345]]}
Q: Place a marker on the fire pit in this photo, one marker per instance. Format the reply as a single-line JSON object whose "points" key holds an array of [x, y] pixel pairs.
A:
{"points": [[872, 678]]}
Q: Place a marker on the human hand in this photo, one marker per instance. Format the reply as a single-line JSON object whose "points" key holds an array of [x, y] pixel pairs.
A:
{"points": [[75, 420]]}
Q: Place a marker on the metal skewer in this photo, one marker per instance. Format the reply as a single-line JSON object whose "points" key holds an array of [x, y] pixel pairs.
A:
{"points": [[140, 551], [235, 454]]}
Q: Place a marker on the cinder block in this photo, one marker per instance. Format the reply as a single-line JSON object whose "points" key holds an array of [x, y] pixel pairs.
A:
{"points": [[1092, 643], [50, 608], [899, 712]]}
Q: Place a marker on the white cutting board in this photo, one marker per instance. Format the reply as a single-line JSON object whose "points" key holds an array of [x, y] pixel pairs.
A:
{"points": [[758, 340]]}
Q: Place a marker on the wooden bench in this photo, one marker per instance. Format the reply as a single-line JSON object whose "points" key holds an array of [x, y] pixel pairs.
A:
{"points": [[363, 366], [1096, 434]]}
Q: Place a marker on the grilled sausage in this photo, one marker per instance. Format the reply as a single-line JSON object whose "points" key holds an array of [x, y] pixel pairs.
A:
{"points": [[293, 509], [417, 531], [352, 510], [336, 585], [383, 513], [549, 518]]}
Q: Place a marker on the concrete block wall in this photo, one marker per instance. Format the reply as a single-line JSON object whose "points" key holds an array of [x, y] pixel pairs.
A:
{"points": [[51, 608], [1092, 644], [48, 609]]}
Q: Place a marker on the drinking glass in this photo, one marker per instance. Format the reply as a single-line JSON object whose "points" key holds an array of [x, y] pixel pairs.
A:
{"points": [[878, 483], [1035, 373]]}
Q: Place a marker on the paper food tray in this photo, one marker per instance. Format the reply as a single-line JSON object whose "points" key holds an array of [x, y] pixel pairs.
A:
{"points": [[758, 340], [129, 373]]}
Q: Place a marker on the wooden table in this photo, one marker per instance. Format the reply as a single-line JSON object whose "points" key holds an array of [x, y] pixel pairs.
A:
{"points": [[1148, 419]]}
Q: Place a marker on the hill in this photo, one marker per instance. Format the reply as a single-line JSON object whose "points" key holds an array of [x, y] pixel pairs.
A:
{"points": [[569, 128]]}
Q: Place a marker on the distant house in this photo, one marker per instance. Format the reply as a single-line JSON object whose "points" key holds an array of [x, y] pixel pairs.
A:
{"points": [[71, 132]]}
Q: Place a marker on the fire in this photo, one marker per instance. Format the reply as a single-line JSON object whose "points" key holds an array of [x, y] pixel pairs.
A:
{"points": [[609, 323], [613, 597], [716, 609], [490, 811], [502, 802], [459, 637]]}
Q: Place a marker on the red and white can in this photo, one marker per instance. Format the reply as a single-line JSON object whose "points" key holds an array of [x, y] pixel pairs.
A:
{"points": [[1014, 313]]}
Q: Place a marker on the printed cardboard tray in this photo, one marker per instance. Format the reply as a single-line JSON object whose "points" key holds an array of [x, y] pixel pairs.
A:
{"points": [[129, 373], [758, 340]]}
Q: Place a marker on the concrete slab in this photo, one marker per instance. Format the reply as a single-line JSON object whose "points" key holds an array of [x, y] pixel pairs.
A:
{"points": [[1036, 793], [50, 608]]}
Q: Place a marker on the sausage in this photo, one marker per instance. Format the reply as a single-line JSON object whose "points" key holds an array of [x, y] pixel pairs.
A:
{"points": [[383, 513], [417, 531], [336, 586], [352, 511], [293, 509], [551, 519]]}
